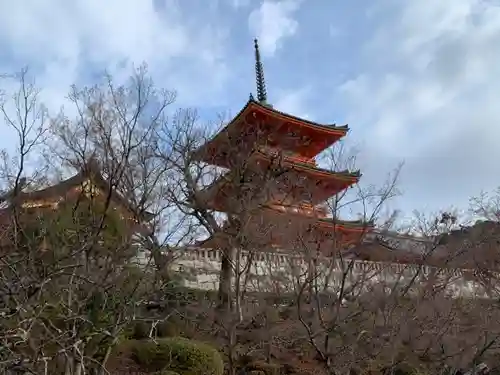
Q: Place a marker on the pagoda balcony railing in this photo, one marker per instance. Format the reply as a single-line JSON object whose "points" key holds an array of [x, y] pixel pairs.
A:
{"points": [[289, 155], [304, 209]]}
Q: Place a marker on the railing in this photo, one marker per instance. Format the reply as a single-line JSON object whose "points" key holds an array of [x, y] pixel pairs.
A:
{"points": [[301, 208], [282, 258], [289, 155], [266, 268]]}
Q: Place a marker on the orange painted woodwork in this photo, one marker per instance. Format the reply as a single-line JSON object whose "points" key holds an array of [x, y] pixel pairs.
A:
{"points": [[261, 139], [259, 125], [274, 191]]}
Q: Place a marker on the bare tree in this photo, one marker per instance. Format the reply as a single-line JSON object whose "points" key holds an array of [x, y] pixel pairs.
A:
{"points": [[25, 119], [69, 247], [196, 186], [142, 188], [119, 126], [332, 285]]}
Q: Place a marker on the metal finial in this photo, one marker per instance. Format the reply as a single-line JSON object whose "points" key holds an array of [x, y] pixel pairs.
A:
{"points": [[259, 75]]}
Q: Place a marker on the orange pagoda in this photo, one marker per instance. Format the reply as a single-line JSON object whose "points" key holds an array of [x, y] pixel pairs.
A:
{"points": [[273, 189]]}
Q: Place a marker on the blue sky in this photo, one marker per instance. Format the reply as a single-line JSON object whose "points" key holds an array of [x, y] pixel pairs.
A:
{"points": [[417, 81]]}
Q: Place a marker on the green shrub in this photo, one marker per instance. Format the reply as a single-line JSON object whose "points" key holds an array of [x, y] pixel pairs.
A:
{"points": [[186, 357], [168, 328], [140, 330]]}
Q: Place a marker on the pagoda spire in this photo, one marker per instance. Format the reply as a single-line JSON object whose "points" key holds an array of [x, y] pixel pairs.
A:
{"points": [[259, 76]]}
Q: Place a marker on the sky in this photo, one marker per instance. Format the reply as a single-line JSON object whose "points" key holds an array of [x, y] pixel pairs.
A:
{"points": [[417, 81]]}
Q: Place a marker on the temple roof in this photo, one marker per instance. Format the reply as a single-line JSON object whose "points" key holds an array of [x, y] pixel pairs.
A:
{"points": [[324, 222], [317, 125], [329, 222], [239, 127], [292, 162], [469, 248], [353, 224], [322, 183], [476, 246], [89, 171]]}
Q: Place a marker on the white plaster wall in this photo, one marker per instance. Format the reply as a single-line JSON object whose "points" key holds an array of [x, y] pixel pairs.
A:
{"points": [[278, 272]]}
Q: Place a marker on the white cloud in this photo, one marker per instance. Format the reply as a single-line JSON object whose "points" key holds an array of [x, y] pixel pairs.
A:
{"points": [[293, 102], [425, 90], [272, 22], [429, 95], [62, 40]]}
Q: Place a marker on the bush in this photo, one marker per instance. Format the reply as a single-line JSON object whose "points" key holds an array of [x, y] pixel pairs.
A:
{"points": [[186, 357], [168, 328], [140, 330]]}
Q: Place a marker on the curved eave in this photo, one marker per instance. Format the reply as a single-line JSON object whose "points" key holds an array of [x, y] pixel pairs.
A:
{"points": [[222, 136], [58, 189], [207, 243], [330, 129], [352, 177], [62, 188], [213, 242], [341, 225], [348, 226], [335, 182]]}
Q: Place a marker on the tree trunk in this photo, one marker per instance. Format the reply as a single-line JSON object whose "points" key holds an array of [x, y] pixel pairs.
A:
{"points": [[225, 278]]}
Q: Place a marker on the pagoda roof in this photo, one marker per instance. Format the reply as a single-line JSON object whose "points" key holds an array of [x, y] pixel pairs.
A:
{"points": [[334, 223], [292, 162], [357, 225], [333, 182], [317, 136], [302, 121], [345, 228], [89, 171]]}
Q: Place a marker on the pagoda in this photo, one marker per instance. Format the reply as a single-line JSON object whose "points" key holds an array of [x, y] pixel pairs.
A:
{"points": [[273, 189]]}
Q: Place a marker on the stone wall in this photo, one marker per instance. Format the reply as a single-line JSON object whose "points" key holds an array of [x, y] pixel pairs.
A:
{"points": [[281, 272]]}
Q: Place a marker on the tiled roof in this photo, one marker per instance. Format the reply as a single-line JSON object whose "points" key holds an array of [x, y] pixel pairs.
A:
{"points": [[61, 188]]}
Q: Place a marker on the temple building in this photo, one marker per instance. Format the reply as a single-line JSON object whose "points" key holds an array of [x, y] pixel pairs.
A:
{"points": [[274, 195], [87, 189], [273, 190]]}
